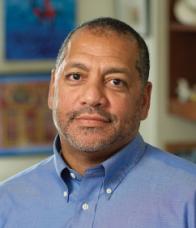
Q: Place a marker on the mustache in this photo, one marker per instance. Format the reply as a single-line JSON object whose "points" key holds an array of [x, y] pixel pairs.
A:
{"points": [[92, 110]]}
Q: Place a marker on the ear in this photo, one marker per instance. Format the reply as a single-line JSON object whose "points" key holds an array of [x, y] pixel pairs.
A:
{"points": [[51, 90], [146, 97]]}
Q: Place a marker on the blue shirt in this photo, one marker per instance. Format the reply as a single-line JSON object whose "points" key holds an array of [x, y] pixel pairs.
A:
{"points": [[139, 187]]}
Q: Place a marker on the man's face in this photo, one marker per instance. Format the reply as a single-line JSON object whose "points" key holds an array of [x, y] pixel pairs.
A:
{"points": [[96, 93]]}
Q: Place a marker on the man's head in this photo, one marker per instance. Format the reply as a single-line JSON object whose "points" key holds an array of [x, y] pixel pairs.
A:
{"points": [[99, 91]]}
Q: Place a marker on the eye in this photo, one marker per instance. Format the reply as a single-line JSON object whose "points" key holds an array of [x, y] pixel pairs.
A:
{"points": [[118, 82], [74, 76]]}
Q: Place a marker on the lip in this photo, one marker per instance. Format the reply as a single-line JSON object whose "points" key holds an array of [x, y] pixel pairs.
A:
{"points": [[92, 119]]}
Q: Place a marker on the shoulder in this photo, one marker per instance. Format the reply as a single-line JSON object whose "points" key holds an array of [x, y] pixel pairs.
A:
{"points": [[26, 189], [169, 167], [170, 160], [28, 177], [164, 177]]}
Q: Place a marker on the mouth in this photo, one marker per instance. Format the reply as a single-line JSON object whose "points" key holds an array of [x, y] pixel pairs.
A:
{"points": [[92, 120]]}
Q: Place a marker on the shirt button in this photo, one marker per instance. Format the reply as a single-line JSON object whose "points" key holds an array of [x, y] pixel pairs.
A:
{"points": [[73, 175], [108, 190], [65, 194], [85, 206]]}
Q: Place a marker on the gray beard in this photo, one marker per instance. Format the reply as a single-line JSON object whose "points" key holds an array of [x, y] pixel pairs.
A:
{"points": [[118, 136], [99, 145]]}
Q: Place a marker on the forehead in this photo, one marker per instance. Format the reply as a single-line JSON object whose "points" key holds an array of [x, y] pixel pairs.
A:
{"points": [[102, 43]]}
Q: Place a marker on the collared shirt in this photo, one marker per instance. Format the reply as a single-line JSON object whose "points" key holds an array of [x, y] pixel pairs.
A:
{"points": [[138, 187]]}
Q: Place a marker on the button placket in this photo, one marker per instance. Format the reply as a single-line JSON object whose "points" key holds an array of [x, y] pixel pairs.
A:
{"points": [[65, 194], [85, 206], [73, 175], [108, 190]]}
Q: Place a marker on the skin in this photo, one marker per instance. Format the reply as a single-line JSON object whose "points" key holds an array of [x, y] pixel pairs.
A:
{"points": [[97, 97]]}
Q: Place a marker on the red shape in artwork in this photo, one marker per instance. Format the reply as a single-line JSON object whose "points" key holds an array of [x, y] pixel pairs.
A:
{"points": [[46, 12]]}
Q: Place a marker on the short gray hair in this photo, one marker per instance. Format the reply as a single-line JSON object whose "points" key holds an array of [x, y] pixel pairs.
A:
{"points": [[111, 24]]}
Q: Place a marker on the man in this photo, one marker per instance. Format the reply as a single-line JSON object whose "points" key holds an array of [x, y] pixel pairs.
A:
{"points": [[102, 173]]}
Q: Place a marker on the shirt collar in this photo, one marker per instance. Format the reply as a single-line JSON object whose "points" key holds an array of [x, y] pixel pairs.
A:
{"points": [[60, 165], [116, 167]]}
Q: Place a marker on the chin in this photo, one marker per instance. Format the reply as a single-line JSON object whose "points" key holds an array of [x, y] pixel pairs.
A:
{"points": [[90, 144]]}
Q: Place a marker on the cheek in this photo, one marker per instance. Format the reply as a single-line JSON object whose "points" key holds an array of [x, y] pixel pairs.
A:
{"points": [[121, 107], [66, 100], [125, 108]]}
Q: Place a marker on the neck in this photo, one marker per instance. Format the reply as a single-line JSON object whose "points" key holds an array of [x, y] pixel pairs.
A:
{"points": [[80, 161]]}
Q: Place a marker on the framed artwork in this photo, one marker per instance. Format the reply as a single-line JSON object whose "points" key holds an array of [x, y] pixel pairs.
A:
{"points": [[26, 125], [135, 13], [33, 30]]}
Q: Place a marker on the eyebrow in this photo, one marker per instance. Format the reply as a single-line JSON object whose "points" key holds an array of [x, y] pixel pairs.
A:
{"points": [[109, 70], [78, 65], [113, 70]]}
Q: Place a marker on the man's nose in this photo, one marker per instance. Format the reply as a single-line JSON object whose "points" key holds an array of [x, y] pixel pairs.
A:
{"points": [[93, 94]]}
